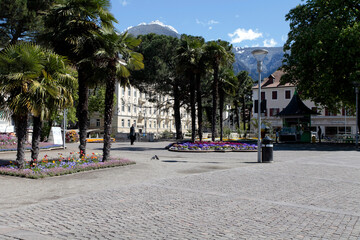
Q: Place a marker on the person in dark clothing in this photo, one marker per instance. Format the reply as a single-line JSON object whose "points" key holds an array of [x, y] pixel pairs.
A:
{"points": [[319, 134], [132, 134]]}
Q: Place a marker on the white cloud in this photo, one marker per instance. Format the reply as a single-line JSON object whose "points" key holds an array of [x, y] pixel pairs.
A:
{"points": [[124, 2], [242, 34], [211, 22], [208, 23], [269, 43]]}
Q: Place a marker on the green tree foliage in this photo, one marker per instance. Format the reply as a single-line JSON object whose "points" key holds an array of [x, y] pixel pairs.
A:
{"points": [[243, 97], [190, 63], [218, 53], [21, 19], [70, 27], [117, 56], [33, 81], [160, 75], [323, 50]]}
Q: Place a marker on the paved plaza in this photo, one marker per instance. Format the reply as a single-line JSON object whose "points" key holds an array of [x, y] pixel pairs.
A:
{"points": [[308, 192]]}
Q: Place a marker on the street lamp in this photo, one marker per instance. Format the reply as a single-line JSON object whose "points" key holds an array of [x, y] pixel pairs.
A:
{"points": [[259, 55]]}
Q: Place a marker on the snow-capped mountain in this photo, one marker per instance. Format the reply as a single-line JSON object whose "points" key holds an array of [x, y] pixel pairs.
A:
{"points": [[156, 27], [243, 57]]}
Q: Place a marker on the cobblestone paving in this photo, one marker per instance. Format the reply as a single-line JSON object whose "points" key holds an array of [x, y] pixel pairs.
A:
{"points": [[304, 197]]}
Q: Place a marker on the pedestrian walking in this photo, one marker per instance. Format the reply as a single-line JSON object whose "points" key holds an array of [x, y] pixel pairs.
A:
{"points": [[277, 135], [132, 134], [319, 134]]}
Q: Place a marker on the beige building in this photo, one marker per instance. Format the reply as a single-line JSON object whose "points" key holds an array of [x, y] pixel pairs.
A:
{"points": [[134, 107], [278, 97]]}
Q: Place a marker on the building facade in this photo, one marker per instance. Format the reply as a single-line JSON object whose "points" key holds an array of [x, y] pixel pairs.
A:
{"points": [[134, 107], [278, 97]]}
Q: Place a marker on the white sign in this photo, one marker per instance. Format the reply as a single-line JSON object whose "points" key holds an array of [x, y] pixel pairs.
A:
{"points": [[56, 135]]}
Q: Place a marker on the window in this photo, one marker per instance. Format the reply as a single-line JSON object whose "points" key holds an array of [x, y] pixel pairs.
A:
{"points": [[98, 122], [274, 94], [123, 91], [128, 123], [122, 123], [129, 108], [274, 111], [135, 93], [287, 94], [123, 106], [149, 124], [129, 92], [262, 95], [134, 122], [134, 108]]}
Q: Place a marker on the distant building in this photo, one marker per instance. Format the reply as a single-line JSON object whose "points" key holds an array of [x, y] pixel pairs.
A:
{"points": [[278, 97], [134, 107]]}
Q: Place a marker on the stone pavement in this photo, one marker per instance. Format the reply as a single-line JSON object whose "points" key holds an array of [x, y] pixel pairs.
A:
{"points": [[309, 192]]}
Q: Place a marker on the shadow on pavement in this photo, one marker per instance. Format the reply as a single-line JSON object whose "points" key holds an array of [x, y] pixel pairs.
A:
{"points": [[314, 147], [132, 148]]}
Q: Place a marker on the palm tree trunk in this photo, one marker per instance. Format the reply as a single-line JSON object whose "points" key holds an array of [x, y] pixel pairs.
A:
{"points": [[177, 114], [199, 104], [215, 97], [109, 105], [82, 109], [21, 127], [237, 115], [221, 108], [193, 109], [35, 140]]}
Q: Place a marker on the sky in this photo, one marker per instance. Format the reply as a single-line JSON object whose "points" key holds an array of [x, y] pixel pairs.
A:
{"points": [[244, 23]]}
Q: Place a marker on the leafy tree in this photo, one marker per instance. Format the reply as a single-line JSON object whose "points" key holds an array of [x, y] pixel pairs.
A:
{"points": [[227, 87], [31, 80], [243, 97], [117, 56], [217, 53], [191, 62], [322, 51], [21, 19], [70, 28], [159, 74]]}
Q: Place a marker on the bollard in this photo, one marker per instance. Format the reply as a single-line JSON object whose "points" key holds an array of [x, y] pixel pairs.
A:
{"points": [[267, 150]]}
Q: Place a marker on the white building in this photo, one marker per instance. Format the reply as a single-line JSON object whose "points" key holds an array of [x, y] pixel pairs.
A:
{"points": [[133, 107], [278, 97]]}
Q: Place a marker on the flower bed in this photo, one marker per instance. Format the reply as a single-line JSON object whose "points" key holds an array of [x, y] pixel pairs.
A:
{"points": [[212, 146], [9, 143], [61, 166], [98, 140]]}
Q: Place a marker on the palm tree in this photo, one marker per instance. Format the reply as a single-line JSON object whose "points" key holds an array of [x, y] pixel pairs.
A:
{"points": [[26, 83], [190, 61], [244, 93], [51, 94], [118, 57], [217, 53], [227, 87], [70, 26]]}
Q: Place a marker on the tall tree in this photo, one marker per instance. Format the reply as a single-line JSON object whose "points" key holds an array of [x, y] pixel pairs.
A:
{"points": [[244, 97], [217, 53], [322, 51], [159, 74], [21, 19], [117, 55], [227, 87], [70, 28], [27, 82], [190, 61]]}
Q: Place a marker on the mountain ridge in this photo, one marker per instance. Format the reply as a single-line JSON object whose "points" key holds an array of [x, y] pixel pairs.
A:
{"points": [[243, 57]]}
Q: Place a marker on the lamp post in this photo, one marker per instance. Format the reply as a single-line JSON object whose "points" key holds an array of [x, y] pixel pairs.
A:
{"points": [[259, 55]]}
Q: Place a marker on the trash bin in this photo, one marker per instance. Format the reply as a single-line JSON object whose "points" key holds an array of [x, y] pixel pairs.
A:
{"points": [[267, 150]]}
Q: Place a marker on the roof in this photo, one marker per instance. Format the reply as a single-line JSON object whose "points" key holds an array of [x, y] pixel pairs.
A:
{"points": [[273, 81], [296, 107]]}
